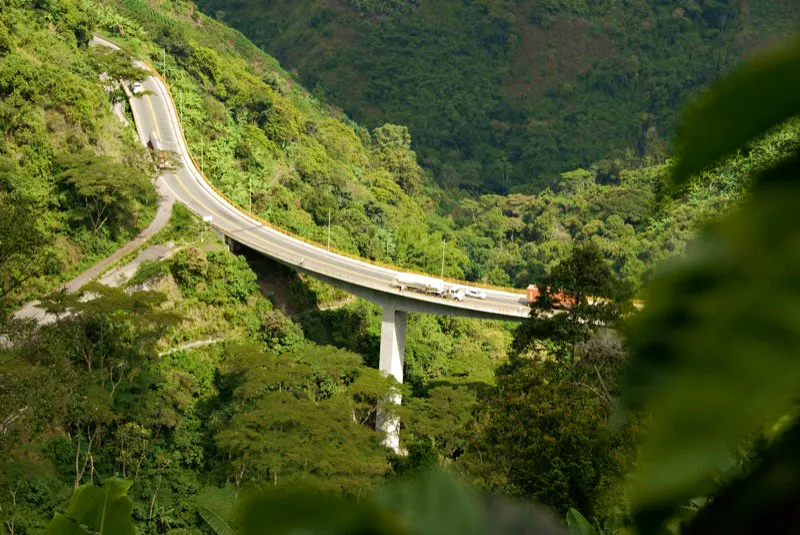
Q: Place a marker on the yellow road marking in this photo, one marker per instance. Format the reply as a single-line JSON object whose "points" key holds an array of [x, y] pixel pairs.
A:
{"points": [[259, 239], [155, 119], [149, 67]]}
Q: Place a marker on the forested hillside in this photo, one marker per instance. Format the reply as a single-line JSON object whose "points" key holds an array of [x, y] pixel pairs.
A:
{"points": [[503, 95], [254, 129], [115, 386], [74, 183], [209, 374]]}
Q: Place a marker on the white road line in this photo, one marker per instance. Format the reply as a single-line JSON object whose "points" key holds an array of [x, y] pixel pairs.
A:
{"points": [[235, 222]]}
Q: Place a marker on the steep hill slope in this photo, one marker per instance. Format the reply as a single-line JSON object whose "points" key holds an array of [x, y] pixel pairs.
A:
{"points": [[74, 182], [502, 95], [253, 128]]}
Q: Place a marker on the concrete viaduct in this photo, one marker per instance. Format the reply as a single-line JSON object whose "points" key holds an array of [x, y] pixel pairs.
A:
{"points": [[156, 116]]}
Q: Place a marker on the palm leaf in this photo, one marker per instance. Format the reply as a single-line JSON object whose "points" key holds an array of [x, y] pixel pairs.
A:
{"points": [[105, 510], [215, 520], [215, 507], [578, 525]]}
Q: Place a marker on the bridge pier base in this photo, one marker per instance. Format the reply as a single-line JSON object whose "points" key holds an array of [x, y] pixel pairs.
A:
{"points": [[393, 342], [233, 245]]}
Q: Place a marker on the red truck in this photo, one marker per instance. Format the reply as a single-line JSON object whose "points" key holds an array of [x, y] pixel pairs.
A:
{"points": [[562, 301], [559, 300]]}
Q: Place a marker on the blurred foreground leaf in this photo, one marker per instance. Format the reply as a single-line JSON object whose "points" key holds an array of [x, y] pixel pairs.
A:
{"points": [[104, 510], [766, 500], [432, 503], [279, 512], [716, 350], [739, 108], [578, 525]]}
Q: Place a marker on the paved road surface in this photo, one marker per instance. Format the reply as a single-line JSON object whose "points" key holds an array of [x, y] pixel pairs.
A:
{"points": [[163, 213], [31, 311], [155, 115]]}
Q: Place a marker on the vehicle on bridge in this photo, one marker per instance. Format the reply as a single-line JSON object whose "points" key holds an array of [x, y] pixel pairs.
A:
{"points": [[475, 293], [429, 285], [456, 292], [560, 300], [420, 283]]}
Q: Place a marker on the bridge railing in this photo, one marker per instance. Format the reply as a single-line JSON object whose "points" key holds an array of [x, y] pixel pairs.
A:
{"points": [[290, 234], [313, 266]]}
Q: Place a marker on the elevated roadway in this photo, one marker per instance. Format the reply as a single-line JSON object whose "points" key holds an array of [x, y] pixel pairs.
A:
{"points": [[156, 116]]}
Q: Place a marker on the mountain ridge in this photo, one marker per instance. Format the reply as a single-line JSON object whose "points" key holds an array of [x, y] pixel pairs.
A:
{"points": [[503, 96]]}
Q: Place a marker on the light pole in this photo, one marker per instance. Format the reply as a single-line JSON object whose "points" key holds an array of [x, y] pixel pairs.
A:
{"points": [[329, 230], [250, 194], [444, 242]]}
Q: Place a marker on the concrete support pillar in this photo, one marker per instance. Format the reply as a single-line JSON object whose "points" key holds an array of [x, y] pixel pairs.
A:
{"points": [[393, 342], [233, 245]]}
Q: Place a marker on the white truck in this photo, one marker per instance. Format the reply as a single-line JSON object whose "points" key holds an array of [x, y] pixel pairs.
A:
{"points": [[428, 285], [419, 283]]}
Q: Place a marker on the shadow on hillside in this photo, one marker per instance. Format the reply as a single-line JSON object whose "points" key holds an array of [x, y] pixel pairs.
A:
{"points": [[299, 297], [346, 328], [288, 290], [481, 388]]}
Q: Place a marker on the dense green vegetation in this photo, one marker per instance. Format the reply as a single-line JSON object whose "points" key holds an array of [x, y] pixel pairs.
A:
{"points": [[252, 129], [261, 403], [211, 375], [59, 141], [545, 428], [270, 145], [504, 95], [714, 294]]}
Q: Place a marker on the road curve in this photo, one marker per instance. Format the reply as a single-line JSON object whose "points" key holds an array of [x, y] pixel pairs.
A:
{"points": [[155, 114]]}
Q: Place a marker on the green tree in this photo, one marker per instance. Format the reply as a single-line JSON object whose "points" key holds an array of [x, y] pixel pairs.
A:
{"points": [[296, 417], [280, 333], [109, 190], [580, 295], [547, 435], [547, 438], [23, 252], [443, 418], [117, 65], [393, 151]]}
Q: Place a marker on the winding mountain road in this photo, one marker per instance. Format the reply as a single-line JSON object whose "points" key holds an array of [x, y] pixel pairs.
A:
{"points": [[155, 114]]}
